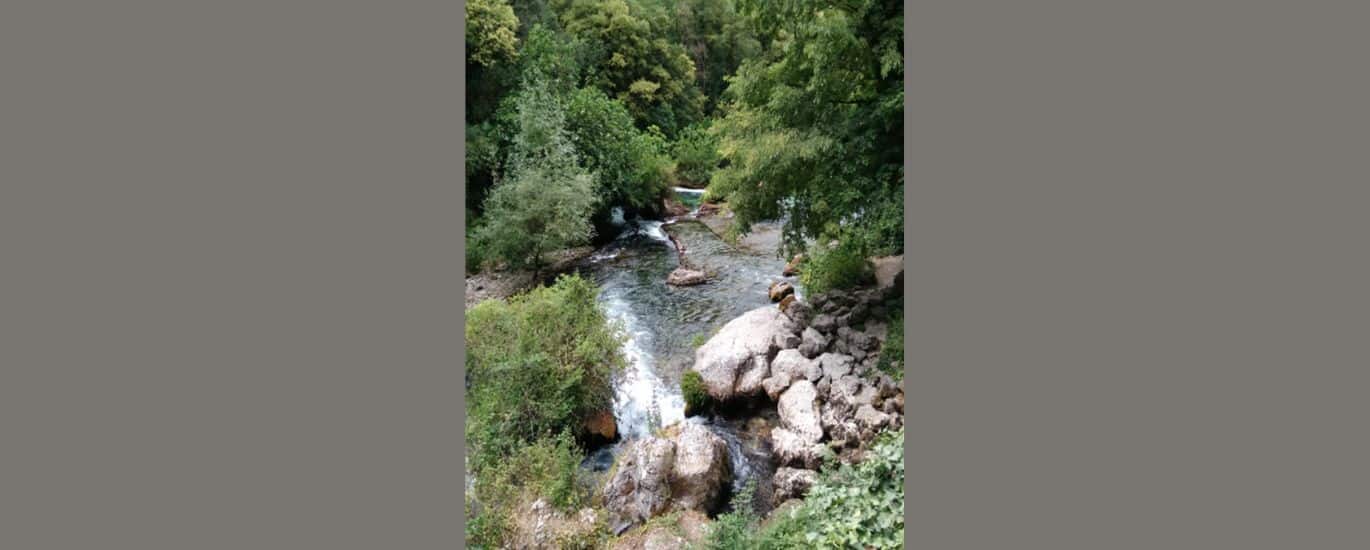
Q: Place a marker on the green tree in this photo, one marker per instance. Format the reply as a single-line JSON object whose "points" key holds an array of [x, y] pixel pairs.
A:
{"points": [[490, 26], [813, 132], [544, 202], [634, 61], [631, 165]]}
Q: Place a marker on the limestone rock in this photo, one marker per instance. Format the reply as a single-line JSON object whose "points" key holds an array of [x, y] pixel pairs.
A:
{"points": [[777, 383], [684, 276], [792, 450], [792, 268], [835, 365], [724, 358], [780, 290], [640, 487], [700, 470], [799, 411], [812, 343], [793, 363]]}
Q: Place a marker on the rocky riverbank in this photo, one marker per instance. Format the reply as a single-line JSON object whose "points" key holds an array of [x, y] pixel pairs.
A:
{"points": [[814, 361]]}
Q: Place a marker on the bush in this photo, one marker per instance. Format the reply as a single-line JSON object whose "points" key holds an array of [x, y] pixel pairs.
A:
{"points": [[843, 266], [547, 468], [696, 154], [735, 530], [539, 365], [892, 353], [692, 388]]}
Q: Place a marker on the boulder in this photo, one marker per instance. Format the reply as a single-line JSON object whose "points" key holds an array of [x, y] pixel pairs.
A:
{"points": [[801, 313], [780, 290], [889, 273], [837, 422], [684, 276], [792, 268], [776, 384], [792, 482], [792, 450], [812, 343], [849, 391], [868, 417], [835, 365], [824, 323], [724, 358], [793, 363], [787, 340], [750, 379], [701, 469], [786, 302], [640, 486], [799, 411]]}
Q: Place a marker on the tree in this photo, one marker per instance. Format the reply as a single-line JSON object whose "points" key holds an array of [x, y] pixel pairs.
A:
{"points": [[490, 26], [630, 164], [545, 202], [813, 133]]}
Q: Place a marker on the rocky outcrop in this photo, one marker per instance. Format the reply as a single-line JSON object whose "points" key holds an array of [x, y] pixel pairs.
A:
{"points": [[654, 475], [791, 449], [793, 363], [700, 470], [792, 483], [684, 276], [889, 273], [736, 360], [540, 526], [812, 343], [640, 486]]}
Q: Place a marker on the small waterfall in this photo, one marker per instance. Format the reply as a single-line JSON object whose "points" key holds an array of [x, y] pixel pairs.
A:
{"points": [[641, 400]]}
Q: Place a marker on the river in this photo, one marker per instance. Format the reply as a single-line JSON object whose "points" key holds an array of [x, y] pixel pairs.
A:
{"points": [[664, 324]]}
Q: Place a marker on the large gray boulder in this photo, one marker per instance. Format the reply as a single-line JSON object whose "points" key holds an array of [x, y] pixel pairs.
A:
{"points": [[700, 470], [812, 343], [835, 365], [793, 363], [640, 487], [723, 360], [799, 411], [776, 384]]}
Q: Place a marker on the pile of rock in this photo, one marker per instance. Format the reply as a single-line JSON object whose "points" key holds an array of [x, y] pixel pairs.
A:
{"points": [[656, 475], [817, 361]]}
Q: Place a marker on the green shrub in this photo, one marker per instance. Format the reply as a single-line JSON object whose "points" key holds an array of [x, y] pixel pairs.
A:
{"points": [[735, 530], [547, 468], [842, 266], [692, 388], [539, 364], [696, 154], [892, 353]]}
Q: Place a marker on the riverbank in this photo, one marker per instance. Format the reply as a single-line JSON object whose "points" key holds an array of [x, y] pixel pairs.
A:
{"points": [[501, 284], [764, 238]]}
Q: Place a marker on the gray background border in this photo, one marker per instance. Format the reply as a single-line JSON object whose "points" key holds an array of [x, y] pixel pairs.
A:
{"points": [[230, 307]]}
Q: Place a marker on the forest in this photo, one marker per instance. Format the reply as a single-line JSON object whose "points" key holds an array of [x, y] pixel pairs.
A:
{"points": [[787, 115]]}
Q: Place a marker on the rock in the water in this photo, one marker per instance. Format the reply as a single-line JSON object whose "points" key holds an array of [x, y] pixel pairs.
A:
{"points": [[780, 290], [700, 470], [792, 482], [640, 487], [792, 267], [684, 276], [812, 343], [799, 411], [776, 384], [786, 302], [793, 450], [723, 359], [835, 365], [793, 363]]}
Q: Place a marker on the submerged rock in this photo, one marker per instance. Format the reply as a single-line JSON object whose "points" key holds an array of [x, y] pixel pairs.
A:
{"points": [[730, 362], [684, 276]]}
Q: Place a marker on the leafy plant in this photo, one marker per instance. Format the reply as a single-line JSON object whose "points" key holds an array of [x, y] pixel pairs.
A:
{"points": [[694, 392], [828, 268], [696, 154], [892, 353]]}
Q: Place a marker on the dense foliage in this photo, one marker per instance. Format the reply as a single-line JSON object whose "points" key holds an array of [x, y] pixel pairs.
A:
{"points": [[834, 267], [813, 130], [892, 353], [693, 391], [859, 506], [538, 365]]}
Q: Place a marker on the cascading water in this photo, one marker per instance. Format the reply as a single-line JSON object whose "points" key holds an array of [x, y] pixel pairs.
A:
{"points": [[662, 323]]}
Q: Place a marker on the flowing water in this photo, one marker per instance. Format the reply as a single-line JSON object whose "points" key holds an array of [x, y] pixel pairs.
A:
{"points": [[664, 324]]}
